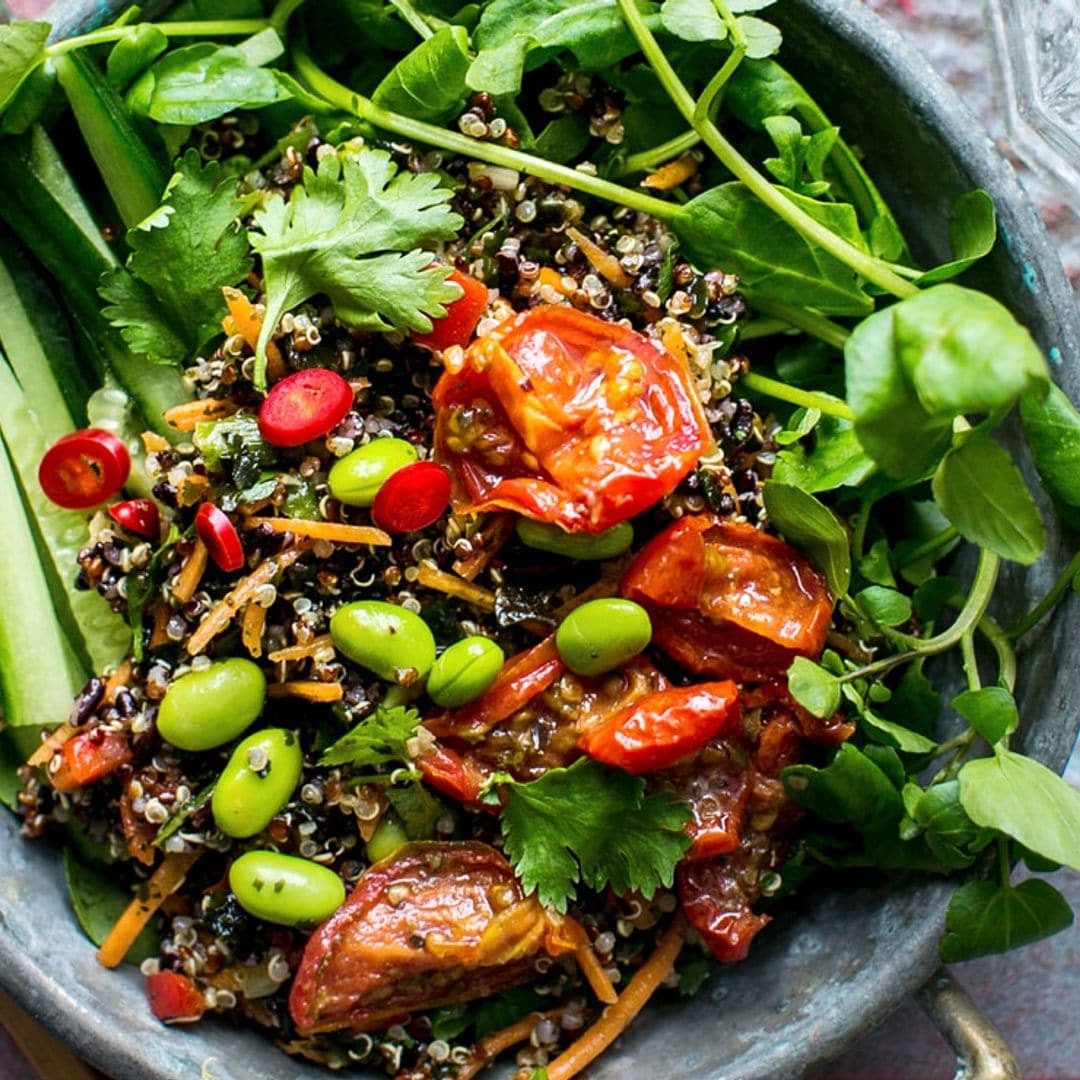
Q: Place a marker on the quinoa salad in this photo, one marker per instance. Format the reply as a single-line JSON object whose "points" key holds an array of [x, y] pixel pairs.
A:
{"points": [[488, 480]]}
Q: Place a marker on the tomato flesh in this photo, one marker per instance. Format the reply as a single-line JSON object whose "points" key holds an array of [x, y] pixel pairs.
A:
{"points": [[565, 417], [88, 757], [84, 469], [140, 516], [457, 325], [412, 498], [174, 998], [304, 406], [716, 905], [219, 535]]}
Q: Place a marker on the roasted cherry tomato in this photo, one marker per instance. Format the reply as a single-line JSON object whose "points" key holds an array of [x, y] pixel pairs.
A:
{"points": [[174, 998], [219, 535], [139, 516], [715, 902], [457, 325], [568, 418], [89, 756], [84, 468], [303, 406], [728, 600], [458, 775], [433, 924], [412, 498], [665, 727]]}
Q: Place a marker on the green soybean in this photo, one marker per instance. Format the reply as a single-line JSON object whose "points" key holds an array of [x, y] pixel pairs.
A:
{"points": [[602, 634], [258, 781], [390, 640], [356, 478], [285, 889], [388, 836], [204, 709], [606, 545], [464, 671]]}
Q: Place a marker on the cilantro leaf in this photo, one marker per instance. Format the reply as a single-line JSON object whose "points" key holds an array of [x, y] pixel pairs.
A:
{"points": [[22, 49], [353, 231], [592, 824], [167, 300], [376, 740]]}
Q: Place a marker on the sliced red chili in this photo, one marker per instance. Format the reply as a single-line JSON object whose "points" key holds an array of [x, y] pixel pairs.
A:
{"points": [[88, 757], [140, 516], [219, 535], [84, 469], [303, 406], [457, 325], [412, 498], [174, 998]]}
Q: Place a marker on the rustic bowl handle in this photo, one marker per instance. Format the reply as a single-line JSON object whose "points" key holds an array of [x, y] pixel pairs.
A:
{"points": [[981, 1052]]}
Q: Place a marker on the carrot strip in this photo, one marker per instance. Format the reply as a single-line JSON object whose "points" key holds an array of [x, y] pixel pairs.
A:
{"points": [[187, 581], [485, 545], [165, 880], [251, 628], [604, 261], [117, 681], [432, 577], [554, 280], [672, 174], [191, 489], [44, 753], [594, 973], [301, 652], [494, 1043], [215, 620], [334, 531], [185, 416], [245, 319], [308, 690], [618, 1017], [158, 633]]}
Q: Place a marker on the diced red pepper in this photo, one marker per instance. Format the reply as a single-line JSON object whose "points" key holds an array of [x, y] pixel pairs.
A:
{"points": [[174, 998], [89, 756]]}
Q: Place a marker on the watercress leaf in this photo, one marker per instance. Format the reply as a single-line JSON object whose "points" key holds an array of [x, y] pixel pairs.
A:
{"points": [[893, 734], [762, 38], [850, 790], [1052, 429], [972, 231], [693, 20], [1037, 864], [729, 226], [809, 524], [814, 688], [885, 606], [932, 597], [874, 565], [22, 49], [936, 813], [985, 918], [563, 139], [737, 7], [991, 711], [980, 490], [1024, 800], [428, 83], [133, 54], [800, 423]]}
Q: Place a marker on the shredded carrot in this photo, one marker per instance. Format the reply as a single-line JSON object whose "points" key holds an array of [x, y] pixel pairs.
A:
{"points": [[309, 691], [245, 319], [185, 416], [251, 628], [672, 174], [153, 443], [215, 620], [608, 585], [618, 1017], [594, 973], [604, 261], [159, 632], [187, 581], [301, 652], [334, 531], [117, 681], [554, 280], [673, 341], [494, 1043], [191, 489], [43, 754], [486, 544], [165, 880], [431, 577]]}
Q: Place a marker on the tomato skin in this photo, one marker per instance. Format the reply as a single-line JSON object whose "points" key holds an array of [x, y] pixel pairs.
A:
{"points": [[219, 535], [433, 924], [303, 406], [728, 600], [174, 998], [714, 906], [139, 516], [84, 469], [665, 727], [88, 757], [412, 498], [457, 325], [567, 418], [458, 775]]}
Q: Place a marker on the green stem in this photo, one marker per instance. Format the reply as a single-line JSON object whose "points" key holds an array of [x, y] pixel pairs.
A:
{"points": [[413, 18], [807, 398], [813, 323], [865, 265], [930, 547], [999, 641], [283, 10], [704, 109], [647, 160], [970, 660], [211, 28], [762, 328], [1003, 860], [1048, 602], [343, 98]]}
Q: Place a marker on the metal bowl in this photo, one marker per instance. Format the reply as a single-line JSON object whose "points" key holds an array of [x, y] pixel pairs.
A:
{"points": [[815, 983]]}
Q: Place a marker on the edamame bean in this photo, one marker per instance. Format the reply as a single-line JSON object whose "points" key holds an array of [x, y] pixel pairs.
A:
{"points": [[285, 889], [602, 634], [204, 709], [390, 640], [388, 836], [356, 478], [258, 781], [464, 671], [546, 537]]}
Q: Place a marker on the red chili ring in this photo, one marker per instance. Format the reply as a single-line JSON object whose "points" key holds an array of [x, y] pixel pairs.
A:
{"points": [[219, 535], [140, 516], [84, 469], [303, 406], [412, 498]]}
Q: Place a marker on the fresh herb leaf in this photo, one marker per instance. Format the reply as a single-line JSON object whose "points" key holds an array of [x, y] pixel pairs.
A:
{"points": [[894, 734], [595, 825], [933, 596], [914, 702], [972, 231], [833, 458], [692, 974], [850, 790], [22, 49], [762, 38], [563, 139], [986, 918], [418, 809], [936, 814], [233, 438], [800, 155], [429, 82], [874, 565], [693, 20], [176, 822], [814, 688], [886, 607], [376, 740], [133, 54], [1052, 428], [991, 711], [353, 231], [809, 524]]}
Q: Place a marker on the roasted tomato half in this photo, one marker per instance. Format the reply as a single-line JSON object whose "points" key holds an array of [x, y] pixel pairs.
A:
{"points": [[565, 417], [728, 600], [433, 924]]}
